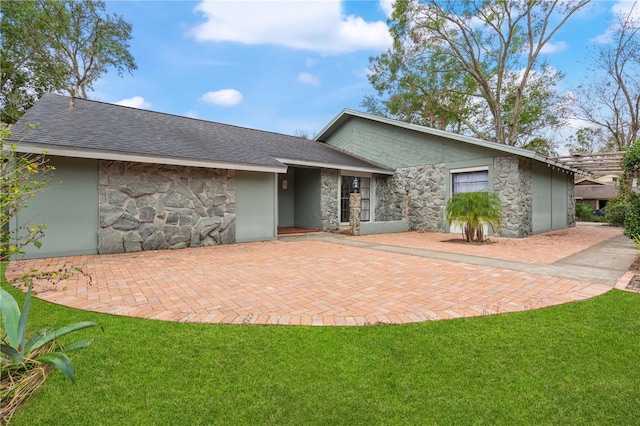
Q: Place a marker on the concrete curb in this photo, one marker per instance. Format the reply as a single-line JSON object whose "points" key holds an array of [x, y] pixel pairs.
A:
{"points": [[624, 281]]}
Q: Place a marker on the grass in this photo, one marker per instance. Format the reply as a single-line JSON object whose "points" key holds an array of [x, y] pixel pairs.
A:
{"points": [[570, 364]]}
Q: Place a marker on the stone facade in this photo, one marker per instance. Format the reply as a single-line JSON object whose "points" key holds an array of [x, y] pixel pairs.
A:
{"points": [[154, 207], [329, 199], [355, 207], [427, 196], [571, 201], [512, 181]]}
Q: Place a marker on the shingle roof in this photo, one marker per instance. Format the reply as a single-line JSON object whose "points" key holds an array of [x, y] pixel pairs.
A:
{"points": [[347, 114], [93, 129], [598, 192]]}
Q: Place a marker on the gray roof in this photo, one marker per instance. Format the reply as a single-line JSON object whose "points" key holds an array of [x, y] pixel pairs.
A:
{"points": [[92, 129], [347, 114], [598, 192]]}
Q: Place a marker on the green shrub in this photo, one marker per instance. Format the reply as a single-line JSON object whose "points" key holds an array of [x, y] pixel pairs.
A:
{"points": [[584, 212], [616, 211], [632, 217]]}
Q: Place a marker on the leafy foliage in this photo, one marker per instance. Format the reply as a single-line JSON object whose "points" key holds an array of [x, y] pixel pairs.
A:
{"points": [[587, 140], [24, 360], [631, 159], [472, 210], [19, 353], [583, 212], [21, 177], [616, 211], [62, 46], [632, 218], [472, 67]]}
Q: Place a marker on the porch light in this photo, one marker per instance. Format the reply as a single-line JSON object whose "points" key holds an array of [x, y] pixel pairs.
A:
{"points": [[356, 184], [407, 187]]}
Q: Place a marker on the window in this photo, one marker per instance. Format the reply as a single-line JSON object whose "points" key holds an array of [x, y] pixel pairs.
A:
{"points": [[346, 189], [469, 181]]}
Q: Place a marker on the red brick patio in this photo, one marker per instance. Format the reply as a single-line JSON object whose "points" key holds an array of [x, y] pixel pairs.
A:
{"points": [[317, 282]]}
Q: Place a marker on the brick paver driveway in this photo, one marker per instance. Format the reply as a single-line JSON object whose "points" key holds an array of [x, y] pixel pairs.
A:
{"points": [[324, 280]]}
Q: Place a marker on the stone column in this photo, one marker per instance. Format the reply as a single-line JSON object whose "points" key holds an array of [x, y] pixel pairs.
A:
{"points": [[354, 213], [405, 210]]}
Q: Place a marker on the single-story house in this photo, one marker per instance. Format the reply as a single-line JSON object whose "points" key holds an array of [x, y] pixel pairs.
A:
{"points": [[137, 180], [597, 192]]}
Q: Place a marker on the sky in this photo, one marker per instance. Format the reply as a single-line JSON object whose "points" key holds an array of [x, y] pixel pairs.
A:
{"points": [[282, 66]]}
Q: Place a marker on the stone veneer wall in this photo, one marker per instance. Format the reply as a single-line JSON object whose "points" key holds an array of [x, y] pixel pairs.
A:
{"points": [[154, 207], [571, 200], [512, 181], [427, 197], [330, 199]]}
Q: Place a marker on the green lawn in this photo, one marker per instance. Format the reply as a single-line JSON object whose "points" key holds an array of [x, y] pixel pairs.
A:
{"points": [[571, 364]]}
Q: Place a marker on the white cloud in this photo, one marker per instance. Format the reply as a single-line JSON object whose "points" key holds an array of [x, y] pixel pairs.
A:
{"points": [[191, 114], [553, 47], [625, 8], [306, 78], [317, 26], [224, 97], [387, 7], [621, 8], [134, 102]]}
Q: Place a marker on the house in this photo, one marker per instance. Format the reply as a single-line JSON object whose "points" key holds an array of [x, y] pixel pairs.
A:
{"points": [[432, 165], [597, 192], [137, 180]]}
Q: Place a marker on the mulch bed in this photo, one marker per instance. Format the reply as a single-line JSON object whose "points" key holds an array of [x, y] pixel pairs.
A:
{"points": [[473, 243], [634, 284]]}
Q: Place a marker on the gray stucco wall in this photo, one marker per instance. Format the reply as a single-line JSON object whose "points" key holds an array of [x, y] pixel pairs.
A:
{"points": [[400, 148], [553, 199], [286, 199], [68, 207], [256, 209], [152, 207], [307, 198]]}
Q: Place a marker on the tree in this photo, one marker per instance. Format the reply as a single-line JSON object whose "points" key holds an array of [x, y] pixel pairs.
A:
{"points": [[21, 177], [544, 146], [60, 46], [610, 97], [472, 67], [472, 210], [587, 140]]}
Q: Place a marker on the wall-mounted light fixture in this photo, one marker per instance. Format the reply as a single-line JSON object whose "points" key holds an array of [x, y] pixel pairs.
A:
{"points": [[285, 184], [356, 184], [407, 187]]}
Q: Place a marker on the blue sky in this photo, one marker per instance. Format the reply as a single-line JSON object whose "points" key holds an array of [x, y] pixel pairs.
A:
{"points": [[282, 66]]}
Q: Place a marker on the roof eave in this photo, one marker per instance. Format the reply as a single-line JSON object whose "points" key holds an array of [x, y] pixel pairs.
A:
{"points": [[27, 148], [364, 169]]}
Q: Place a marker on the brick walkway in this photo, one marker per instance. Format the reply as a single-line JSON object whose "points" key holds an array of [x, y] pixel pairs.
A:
{"points": [[321, 282]]}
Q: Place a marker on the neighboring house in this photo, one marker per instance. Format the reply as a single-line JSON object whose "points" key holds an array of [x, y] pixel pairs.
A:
{"points": [[137, 180], [597, 192]]}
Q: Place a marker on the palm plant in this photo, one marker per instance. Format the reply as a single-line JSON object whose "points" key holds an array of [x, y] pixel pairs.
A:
{"points": [[472, 210]]}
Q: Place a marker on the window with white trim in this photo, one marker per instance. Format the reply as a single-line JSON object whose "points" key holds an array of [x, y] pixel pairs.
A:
{"points": [[469, 181]]}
